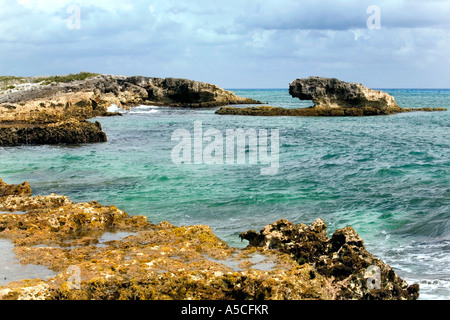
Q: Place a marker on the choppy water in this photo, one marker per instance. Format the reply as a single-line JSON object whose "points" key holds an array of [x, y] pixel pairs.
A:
{"points": [[387, 177]]}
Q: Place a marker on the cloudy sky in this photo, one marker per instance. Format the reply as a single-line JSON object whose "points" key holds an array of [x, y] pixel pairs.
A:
{"points": [[232, 43]]}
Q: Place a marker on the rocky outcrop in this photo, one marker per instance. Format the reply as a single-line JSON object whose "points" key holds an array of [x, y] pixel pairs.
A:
{"points": [[94, 95], [334, 93], [331, 93], [176, 93], [40, 113], [23, 189], [101, 253], [70, 131], [54, 118], [331, 98], [353, 272]]}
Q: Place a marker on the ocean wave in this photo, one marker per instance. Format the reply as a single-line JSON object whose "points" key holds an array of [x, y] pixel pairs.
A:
{"points": [[115, 108], [144, 109], [141, 109], [144, 106], [143, 112], [425, 263]]}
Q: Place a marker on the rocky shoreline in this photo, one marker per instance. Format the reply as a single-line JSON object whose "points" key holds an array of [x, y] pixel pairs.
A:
{"points": [[55, 109], [102, 253], [160, 261]]}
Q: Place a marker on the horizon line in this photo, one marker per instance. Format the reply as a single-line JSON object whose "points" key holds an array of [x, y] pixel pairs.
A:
{"points": [[266, 88]]}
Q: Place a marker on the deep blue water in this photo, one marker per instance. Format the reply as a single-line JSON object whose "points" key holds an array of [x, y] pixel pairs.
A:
{"points": [[387, 177]]}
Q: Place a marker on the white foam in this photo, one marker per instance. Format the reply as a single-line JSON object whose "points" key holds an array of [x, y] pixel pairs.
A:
{"points": [[144, 112], [426, 263], [143, 106], [144, 109], [141, 109], [115, 108]]}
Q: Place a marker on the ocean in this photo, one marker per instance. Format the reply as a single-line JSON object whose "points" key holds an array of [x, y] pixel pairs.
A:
{"points": [[386, 176]]}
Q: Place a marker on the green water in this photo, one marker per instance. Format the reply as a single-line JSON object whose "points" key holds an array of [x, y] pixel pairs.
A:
{"points": [[387, 177]]}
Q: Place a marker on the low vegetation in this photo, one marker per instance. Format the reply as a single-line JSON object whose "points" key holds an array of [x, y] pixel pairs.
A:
{"points": [[65, 79], [10, 82]]}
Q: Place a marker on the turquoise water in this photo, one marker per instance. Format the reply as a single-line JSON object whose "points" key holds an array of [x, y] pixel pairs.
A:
{"points": [[387, 177]]}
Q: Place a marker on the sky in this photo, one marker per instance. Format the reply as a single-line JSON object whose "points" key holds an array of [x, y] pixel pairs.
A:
{"points": [[232, 43]]}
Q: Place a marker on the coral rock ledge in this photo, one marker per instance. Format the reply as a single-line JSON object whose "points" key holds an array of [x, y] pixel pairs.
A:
{"points": [[163, 262]]}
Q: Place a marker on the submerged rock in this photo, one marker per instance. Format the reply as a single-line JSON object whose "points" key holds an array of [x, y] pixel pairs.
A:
{"points": [[268, 111], [161, 261]]}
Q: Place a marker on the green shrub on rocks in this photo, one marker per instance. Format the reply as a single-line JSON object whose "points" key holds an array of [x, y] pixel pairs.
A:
{"points": [[65, 79]]}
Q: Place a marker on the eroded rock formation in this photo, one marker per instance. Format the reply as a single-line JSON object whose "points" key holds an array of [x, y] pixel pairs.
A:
{"points": [[334, 93], [354, 272], [31, 109], [331, 98], [162, 261], [70, 131], [331, 93], [23, 189]]}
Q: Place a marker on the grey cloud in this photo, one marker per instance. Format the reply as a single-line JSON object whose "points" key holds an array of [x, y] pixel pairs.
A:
{"points": [[345, 15], [232, 43]]}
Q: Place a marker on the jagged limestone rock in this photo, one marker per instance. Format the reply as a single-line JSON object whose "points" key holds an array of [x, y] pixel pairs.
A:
{"points": [[283, 261], [342, 258], [331, 98], [334, 93], [40, 112]]}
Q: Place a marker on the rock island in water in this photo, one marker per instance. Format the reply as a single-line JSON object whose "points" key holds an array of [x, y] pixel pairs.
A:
{"points": [[331, 98]]}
